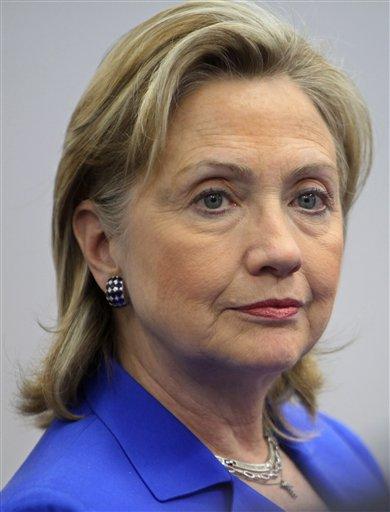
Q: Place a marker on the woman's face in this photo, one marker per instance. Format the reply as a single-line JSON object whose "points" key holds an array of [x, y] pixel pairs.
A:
{"points": [[189, 261]]}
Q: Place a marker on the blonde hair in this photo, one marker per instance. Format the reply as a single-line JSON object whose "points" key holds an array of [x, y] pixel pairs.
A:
{"points": [[113, 142]]}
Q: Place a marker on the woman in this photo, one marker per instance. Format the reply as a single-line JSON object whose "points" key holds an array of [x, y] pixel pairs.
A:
{"points": [[200, 214]]}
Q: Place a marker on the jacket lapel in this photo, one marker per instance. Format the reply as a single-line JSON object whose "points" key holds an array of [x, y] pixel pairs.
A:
{"points": [[169, 458]]}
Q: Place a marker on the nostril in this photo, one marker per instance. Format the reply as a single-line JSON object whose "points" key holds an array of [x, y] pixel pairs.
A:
{"points": [[297, 267], [280, 270]]}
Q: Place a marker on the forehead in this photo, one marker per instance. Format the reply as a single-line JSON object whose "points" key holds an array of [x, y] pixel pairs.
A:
{"points": [[261, 121]]}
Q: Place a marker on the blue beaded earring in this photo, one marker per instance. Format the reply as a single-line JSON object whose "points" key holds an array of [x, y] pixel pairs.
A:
{"points": [[115, 292]]}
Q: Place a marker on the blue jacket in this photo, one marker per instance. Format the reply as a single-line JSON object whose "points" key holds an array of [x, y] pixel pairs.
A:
{"points": [[131, 454]]}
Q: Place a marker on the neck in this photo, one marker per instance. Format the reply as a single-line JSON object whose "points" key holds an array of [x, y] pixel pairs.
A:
{"points": [[222, 406]]}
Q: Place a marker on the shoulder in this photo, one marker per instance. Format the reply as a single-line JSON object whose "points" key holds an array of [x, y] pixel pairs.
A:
{"points": [[338, 456], [70, 468], [349, 436], [331, 430], [39, 499]]}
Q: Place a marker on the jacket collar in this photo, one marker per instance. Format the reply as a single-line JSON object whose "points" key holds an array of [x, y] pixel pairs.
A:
{"points": [[173, 462], [170, 459]]}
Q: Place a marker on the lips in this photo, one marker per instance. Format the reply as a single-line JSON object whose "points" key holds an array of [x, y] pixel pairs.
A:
{"points": [[273, 309], [273, 303]]}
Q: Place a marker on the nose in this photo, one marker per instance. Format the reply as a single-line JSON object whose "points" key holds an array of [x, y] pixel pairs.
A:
{"points": [[273, 246]]}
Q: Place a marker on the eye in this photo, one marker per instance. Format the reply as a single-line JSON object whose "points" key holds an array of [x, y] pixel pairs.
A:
{"points": [[213, 199], [309, 199]]}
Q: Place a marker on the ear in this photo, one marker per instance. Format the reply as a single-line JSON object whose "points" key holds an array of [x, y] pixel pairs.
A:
{"points": [[94, 245]]}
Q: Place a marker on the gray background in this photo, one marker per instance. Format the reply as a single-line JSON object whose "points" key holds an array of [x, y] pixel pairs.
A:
{"points": [[50, 52]]}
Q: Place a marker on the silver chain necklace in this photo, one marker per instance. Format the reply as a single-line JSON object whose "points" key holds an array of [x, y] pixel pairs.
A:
{"points": [[264, 472]]}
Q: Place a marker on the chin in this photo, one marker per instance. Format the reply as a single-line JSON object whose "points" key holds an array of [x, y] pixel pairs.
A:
{"points": [[252, 363], [272, 354]]}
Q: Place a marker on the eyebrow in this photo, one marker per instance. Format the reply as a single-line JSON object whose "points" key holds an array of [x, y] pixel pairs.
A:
{"points": [[244, 172]]}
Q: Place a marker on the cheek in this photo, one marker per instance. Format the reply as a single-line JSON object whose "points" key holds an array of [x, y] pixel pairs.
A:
{"points": [[323, 268], [171, 271], [192, 272]]}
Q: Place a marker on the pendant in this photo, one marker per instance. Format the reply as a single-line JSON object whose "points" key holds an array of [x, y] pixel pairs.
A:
{"points": [[289, 488]]}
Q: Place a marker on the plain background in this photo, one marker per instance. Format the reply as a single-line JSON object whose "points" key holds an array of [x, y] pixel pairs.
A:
{"points": [[50, 52]]}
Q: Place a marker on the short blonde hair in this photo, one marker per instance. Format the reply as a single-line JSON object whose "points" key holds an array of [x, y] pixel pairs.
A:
{"points": [[113, 142]]}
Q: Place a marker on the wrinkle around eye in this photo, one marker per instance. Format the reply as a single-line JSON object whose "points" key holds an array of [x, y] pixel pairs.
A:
{"points": [[179, 198], [169, 200]]}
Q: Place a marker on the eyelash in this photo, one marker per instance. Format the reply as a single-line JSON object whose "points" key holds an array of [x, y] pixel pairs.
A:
{"points": [[327, 197]]}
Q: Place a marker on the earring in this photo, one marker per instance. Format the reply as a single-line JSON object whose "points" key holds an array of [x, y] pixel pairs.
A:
{"points": [[115, 292]]}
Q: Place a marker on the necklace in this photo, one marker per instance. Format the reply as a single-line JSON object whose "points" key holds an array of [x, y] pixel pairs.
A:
{"points": [[264, 472]]}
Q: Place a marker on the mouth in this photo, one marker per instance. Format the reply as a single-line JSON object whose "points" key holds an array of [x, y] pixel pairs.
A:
{"points": [[276, 309], [275, 313]]}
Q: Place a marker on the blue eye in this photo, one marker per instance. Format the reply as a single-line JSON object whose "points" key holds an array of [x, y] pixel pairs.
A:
{"points": [[213, 199], [311, 196]]}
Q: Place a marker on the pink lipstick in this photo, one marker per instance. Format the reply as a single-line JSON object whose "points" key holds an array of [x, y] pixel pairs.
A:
{"points": [[276, 309]]}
